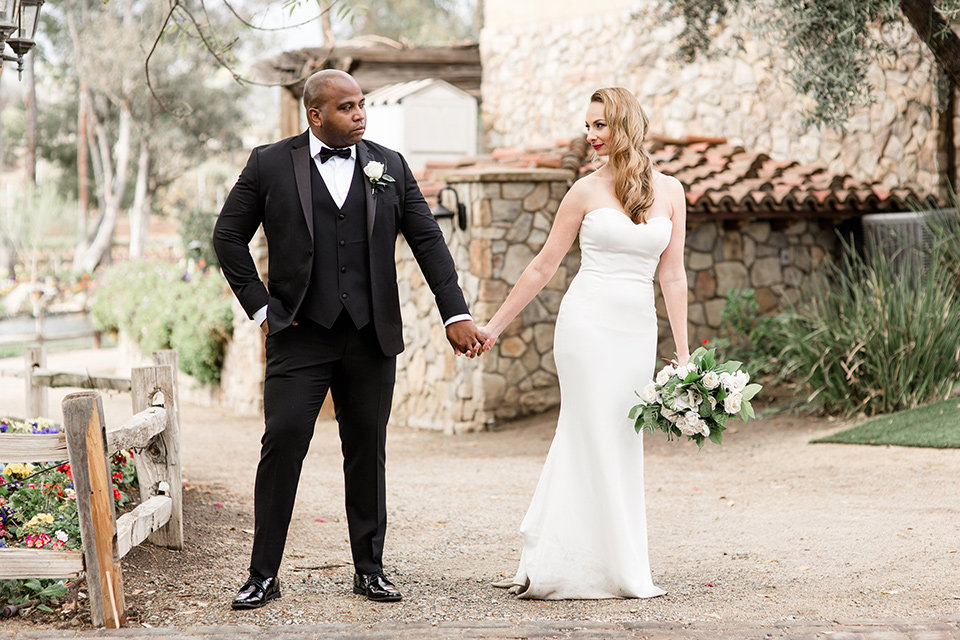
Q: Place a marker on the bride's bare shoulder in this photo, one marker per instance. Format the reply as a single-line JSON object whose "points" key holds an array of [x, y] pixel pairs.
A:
{"points": [[662, 180]]}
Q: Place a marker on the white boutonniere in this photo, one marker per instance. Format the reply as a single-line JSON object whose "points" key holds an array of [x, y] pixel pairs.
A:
{"points": [[376, 173]]}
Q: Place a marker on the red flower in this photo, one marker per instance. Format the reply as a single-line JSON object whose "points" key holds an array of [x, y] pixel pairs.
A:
{"points": [[116, 493], [705, 342]]}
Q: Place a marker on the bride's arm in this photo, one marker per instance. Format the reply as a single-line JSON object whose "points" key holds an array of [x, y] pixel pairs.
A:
{"points": [[673, 276], [566, 225]]}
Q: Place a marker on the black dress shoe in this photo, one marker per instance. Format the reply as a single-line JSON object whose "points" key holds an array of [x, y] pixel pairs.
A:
{"points": [[256, 592], [376, 587]]}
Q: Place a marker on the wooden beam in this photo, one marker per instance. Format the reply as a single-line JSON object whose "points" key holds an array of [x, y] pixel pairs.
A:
{"points": [[35, 359], [136, 526], [80, 381], [138, 430], [87, 446], [20, 564], [29, 447]]}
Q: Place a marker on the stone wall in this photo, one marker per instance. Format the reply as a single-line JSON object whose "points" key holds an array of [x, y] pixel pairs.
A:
{"points": [[772, 257], [538, 77], [510, 214]]}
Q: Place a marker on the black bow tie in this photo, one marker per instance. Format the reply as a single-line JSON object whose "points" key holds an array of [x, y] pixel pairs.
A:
{"points": [[326, 153]]}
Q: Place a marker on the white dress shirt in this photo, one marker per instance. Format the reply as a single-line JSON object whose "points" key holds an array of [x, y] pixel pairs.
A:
{"points": [[337, 174]]}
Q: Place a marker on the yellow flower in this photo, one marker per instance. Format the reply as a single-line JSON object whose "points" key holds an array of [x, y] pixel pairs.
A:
{"points": [[18, 470]]}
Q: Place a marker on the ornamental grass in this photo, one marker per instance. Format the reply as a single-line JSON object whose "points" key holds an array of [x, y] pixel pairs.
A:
{"points": [[879, 333]]}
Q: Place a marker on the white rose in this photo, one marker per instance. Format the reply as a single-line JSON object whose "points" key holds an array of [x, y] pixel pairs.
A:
{"points": [[682, 402], [740, 380], [649, 395], [689, 423], [373, 170], [727, 381], [668, 414], [731, 404], [665, 374], [713, 402], [704, 428], [684, 370], [710, 380]]}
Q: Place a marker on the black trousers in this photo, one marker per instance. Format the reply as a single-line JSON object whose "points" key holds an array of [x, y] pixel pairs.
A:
{"points": [[303, 363]]}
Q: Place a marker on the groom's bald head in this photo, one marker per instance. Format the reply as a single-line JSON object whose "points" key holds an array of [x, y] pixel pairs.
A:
{"points": [[335, 107], [319, 86]]}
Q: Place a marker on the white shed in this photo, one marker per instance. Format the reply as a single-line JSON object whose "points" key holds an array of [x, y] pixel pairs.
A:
{"points": [[424, 120]]}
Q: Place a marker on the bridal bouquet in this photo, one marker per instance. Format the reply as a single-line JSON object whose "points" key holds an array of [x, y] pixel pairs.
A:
{"points": [[695, 400]]}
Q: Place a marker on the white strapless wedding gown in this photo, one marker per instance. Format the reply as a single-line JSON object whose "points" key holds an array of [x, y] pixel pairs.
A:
{"points": [[585, 533]]}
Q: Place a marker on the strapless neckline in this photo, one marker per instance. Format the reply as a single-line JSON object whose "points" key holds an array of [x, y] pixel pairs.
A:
{"points": [[624, 215]]}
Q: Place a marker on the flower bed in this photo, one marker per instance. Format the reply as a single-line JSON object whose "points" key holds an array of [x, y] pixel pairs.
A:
{"points": [[38, 504]]}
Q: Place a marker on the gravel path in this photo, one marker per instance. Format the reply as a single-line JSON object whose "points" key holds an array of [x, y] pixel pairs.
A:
{"points": [[765, 528]]}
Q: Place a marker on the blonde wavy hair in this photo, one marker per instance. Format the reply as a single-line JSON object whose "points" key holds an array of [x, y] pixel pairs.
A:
{"points": [[631, 164]]}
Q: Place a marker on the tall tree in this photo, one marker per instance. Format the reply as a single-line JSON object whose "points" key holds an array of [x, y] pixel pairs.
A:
{"points": [[417, 21], [142, 132]]}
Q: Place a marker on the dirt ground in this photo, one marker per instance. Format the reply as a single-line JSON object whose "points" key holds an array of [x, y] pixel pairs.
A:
{"points": [[766, 527]]}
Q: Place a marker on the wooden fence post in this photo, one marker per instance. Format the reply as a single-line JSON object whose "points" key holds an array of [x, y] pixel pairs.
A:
{"points": [[35, 358], [87, 449], [160, 462]]}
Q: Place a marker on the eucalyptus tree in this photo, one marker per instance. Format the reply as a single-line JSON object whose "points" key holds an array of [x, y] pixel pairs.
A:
{"points": [[134, 134]]}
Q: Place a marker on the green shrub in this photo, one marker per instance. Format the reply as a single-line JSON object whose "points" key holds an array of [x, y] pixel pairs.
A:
{"points": [[868, 338], [754, 339], [943, 229], [196, 234], [164, 306]]}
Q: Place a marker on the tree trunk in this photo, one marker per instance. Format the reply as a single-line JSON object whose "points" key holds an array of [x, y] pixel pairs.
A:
{"points": [[114, 185], [326, 24], [140, 213], [30, 111], [929, 25], [83, 179]]}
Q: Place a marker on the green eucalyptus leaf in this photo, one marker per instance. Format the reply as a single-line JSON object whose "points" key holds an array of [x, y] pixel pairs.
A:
{"points": [[751, 390]]}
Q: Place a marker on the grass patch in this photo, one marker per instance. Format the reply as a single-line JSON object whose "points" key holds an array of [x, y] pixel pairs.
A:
{"points": [[935, 425]]}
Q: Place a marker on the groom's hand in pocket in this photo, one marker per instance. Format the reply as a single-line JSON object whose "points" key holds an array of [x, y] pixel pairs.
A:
{"points": [[465, 338]]}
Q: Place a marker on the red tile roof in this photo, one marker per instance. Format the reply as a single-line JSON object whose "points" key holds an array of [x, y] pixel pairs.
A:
{"points": [[722, 180]]}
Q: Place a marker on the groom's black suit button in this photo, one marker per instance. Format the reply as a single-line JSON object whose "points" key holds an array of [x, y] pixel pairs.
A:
{"points": [[256, 592], [376, 587], [326, 153]]}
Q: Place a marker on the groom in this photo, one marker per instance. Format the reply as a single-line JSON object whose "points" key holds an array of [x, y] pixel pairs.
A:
{"points": [[331, 313]]}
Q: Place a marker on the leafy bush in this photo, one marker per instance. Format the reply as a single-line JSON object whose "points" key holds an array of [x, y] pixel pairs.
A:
{"points": [[747, 336], [196, 234], [163, 306], [868, 338]]}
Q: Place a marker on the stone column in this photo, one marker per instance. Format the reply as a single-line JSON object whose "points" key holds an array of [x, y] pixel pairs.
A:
{"points": [[510, 212]]}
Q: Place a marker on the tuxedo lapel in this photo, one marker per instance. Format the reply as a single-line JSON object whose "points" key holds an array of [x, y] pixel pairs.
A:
{"points": [[370, 196], [301, 171]]}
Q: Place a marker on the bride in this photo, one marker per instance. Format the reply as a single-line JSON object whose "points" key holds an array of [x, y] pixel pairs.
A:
{"points": [[585, 534]]}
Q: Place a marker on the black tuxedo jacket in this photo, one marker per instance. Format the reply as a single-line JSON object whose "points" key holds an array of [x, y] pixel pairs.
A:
{"points": [[274, 191]]}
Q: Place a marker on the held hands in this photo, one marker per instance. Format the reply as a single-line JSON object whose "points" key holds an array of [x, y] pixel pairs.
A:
{"points": [[466, 339], [490, 338]]}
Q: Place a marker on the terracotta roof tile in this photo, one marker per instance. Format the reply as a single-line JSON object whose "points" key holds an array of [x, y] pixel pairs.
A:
{"points": [[721, 179]]}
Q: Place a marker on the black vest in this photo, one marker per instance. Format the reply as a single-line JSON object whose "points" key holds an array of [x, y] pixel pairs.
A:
{"points": [[341, 256]]}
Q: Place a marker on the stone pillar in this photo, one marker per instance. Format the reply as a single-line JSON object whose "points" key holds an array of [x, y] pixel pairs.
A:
{"points": [[510, 212], [241, 382]]}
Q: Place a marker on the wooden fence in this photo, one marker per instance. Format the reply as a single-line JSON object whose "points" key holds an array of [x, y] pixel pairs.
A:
{"points": [[153, 432]]}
